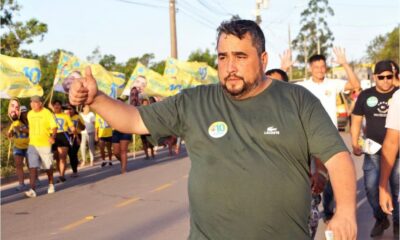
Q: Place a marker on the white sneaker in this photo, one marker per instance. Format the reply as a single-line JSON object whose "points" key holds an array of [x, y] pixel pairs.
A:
{"points": [[31, 193], [51, 189]]}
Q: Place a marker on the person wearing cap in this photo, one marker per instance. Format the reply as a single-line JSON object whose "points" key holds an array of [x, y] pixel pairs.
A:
{"points": [[19, 134], [373, 105], [42, 134]]}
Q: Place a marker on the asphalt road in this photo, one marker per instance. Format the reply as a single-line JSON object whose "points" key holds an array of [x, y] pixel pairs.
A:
{"points": [[149, 202]]}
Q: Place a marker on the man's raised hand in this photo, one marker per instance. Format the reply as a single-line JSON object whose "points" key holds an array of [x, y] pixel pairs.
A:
{"points": [[83, 90]]}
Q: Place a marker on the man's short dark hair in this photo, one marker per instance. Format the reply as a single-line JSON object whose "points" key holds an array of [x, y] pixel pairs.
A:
{"points": [[57, 101], [240, 28], [316, 57], [283, 74]]}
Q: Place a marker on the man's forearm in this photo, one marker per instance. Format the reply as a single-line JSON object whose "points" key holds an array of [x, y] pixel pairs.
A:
{"points": [[123, 117], [353, 79], [343, 178], [390, 148]]}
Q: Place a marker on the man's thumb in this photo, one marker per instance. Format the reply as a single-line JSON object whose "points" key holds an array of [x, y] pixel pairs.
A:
{"points": [[88, 75]]}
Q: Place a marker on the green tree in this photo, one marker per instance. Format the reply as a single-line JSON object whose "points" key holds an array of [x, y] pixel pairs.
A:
{"points": [[384, 47], [314, 30], [158, 67], [17, 33], [204, 56]]}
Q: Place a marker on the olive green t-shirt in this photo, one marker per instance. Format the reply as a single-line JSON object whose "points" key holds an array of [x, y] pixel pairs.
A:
{"points": [[249, 159]]}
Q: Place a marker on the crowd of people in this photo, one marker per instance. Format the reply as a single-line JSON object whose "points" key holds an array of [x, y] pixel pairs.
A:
{"points": [[58, 133], [248, 137]]}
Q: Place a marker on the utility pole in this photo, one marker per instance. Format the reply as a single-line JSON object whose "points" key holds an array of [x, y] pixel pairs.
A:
{"points": [[258, 12], [318, 45], [290, 49], [305, 57], [260, 4], [172, 23]]}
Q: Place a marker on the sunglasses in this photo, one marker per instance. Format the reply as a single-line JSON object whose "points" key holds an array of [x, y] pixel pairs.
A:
{"points": [[388, 77]]}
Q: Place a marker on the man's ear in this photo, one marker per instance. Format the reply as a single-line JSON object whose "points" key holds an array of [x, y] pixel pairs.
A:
{"points": [[264, 60]]}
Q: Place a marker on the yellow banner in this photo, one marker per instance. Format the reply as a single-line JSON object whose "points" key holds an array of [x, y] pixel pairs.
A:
{"points": [[188, 74], [68, 65], [148, 82], [19, 77]]}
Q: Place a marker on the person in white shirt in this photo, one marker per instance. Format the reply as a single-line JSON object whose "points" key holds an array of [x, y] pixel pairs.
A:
{"points": [[326, 89], [87, 135], [390, 160]]}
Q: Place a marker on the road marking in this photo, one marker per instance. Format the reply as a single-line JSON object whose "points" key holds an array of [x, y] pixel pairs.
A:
{"points": [[129, 201], [162, 187], [77, 223]]}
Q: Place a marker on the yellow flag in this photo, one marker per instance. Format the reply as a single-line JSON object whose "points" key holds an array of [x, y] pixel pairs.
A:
{"points": [[189, 74], [69, 65], [19, 77], [119, 82], [148, 82]]}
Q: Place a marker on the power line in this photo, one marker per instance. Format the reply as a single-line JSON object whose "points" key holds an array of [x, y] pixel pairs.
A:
{"points": [[142, 4], [205, 5]]}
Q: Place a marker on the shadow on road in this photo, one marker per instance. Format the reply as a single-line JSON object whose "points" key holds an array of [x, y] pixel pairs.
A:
{"points": [[93, 174]]}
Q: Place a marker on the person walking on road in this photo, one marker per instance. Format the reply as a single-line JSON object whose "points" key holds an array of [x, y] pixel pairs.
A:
{"points": [[19, 134], [249, 157], [42, 134], [103, 135], [373, 104], [326, 90], [390, 162], [88, 135]]}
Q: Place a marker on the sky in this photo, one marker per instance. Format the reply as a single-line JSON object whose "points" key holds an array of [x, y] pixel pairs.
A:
{"points": [[131, 28]]}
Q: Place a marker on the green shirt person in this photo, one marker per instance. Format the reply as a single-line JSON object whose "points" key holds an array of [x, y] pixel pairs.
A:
{"points": [[249, 139]]}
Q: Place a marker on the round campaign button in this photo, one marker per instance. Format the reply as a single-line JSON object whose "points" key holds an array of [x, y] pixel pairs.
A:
{"points": [[217, 129]]}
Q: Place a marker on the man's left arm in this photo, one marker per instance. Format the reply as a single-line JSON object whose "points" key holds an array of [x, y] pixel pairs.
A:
{"points": [[353, 81], [343, 179]]}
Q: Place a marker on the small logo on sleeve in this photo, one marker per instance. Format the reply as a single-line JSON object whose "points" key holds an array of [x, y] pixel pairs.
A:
{"points": [[272, 131], [217, 129]]}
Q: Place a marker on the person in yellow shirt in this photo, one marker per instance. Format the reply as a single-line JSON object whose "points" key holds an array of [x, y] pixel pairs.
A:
{"points": [[79, 125], [103, 135], [18, 133], [63, 141], [42, 133]]}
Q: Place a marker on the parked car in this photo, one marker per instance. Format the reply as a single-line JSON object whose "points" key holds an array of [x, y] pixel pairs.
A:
{"points": [[343, 111]]}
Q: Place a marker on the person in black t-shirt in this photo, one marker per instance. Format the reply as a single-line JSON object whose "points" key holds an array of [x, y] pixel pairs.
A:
{"points": [[373, 104]]}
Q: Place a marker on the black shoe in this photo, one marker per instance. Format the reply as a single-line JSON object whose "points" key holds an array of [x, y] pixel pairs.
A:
{"points": [[110, 163], [61, 179], [379, 227], [103, 164], [396, 229]]}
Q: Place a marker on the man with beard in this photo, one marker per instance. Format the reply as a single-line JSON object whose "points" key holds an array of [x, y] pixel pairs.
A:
{"points": [[373, 104], [249, 158], [18, 133]]}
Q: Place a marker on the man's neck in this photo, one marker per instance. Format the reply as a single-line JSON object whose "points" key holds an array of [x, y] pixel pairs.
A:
{"points": [[317, 80], [383, 91]]}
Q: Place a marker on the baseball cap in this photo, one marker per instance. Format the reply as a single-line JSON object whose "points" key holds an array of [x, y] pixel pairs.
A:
{"points": [[23, 109], [36, 98], [385, 65]]}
